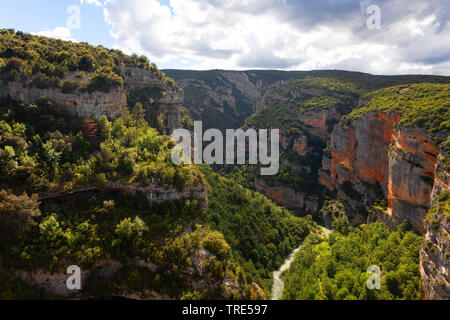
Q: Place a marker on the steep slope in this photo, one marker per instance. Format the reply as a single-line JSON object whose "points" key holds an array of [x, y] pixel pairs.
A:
{"points": [[435, 252], [305, 111], [335, 268], [392, 143], [384, 153], [102, 193], [117, 207]]}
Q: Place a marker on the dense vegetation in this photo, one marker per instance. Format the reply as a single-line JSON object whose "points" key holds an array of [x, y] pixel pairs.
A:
{"points": [[48, 220], [42, 149], [260, 233], [51, 63], [40, 152], [421, 105], [335, 268], [198, 85]]}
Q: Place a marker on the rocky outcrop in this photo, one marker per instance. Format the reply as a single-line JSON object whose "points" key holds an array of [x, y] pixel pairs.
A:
{"points": [[435, 255], [320, 123], [373, 150], [78, 103], [159, 97], [154, 193], [300, 146], [286, 196], [56, 282], [104, 272], [282, 195]]}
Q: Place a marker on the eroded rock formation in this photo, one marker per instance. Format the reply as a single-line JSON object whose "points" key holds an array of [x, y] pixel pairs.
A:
{"points": [[371, 151]]}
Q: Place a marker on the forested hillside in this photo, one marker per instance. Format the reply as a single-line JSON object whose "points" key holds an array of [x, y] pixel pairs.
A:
{"points": [[102, 192], [335, 268]]}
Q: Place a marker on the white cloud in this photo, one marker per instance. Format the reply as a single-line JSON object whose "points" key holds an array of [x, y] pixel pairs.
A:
{"points": [[282, 34], [94, 2], [62, 33]]}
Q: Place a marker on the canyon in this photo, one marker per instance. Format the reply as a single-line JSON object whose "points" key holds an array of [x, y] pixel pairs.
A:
{"points": [[381, 169]]}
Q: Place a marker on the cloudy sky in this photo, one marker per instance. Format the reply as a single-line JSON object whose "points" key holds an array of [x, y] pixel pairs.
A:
{"points": [[407, 36]]}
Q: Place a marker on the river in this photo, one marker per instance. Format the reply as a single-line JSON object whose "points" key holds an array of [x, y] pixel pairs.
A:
{"points": [[278, 284]]}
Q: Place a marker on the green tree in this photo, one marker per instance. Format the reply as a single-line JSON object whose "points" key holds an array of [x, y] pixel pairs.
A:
{"points": [[18, 213]]}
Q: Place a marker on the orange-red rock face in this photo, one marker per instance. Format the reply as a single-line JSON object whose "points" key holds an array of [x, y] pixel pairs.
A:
{"points": [[282, 195], [300, 146], [402, 161], [317, 121]]}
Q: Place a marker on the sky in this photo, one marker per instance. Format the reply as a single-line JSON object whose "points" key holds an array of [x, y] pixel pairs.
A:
{"points": [[374, 36]]}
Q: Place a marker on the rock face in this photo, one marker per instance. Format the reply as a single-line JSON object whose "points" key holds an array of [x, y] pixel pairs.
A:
{"points": [[80, 104], [154, 193], [224, 99], [158, 97], [435, 256], [435, 252], [201, 279], [282, 195], [368, 152]]}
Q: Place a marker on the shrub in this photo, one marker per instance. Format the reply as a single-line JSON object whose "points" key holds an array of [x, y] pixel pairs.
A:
{"points": [[104, 80], [86, 63], [70, 86]]}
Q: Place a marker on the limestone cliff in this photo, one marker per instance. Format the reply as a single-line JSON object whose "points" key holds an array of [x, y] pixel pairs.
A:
{"points": [[154, 192], [157, 97], [435, 252], [149, 87], [79, 103], [282, 195], [373, 151]]}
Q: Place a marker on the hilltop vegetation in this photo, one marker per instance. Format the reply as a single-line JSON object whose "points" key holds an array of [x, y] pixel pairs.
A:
{"points": [[422, 105], [224, 99], [51, 63], [303, 95]]}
